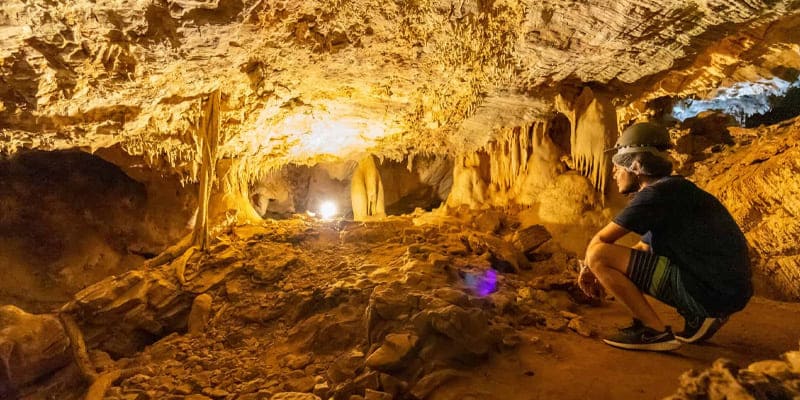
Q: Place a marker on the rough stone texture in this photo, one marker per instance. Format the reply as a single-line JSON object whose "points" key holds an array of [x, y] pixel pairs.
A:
{"points": [[199, 314], [770, 379], [758, 182], [386, 75], [395, 349], [529, 239], [70, 219], [31, 346], [297, 310]]}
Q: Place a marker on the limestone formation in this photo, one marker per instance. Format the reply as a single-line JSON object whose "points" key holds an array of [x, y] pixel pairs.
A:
{"points": [[758, 183], [199, 315], [158, 154], [31, 346], [771, 379], [366, 191]]}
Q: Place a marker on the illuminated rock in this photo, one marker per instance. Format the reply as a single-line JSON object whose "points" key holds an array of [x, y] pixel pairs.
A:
{"points": [[31, 346], [366, 191]]}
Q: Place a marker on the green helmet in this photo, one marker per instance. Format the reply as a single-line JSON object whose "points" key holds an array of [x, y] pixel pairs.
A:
{"points": [[644, 137], [644, 134]]}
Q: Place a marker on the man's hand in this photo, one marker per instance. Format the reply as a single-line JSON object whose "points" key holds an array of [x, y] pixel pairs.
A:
{"points": [[589, 283]]}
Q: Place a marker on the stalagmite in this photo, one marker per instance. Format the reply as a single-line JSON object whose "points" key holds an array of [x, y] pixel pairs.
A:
{"points": [[366, 191], [198, 317], [469, 187]]}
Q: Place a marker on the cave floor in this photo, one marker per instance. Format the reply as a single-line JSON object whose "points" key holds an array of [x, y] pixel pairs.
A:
{"points": [[575, 367], [366, 311]]}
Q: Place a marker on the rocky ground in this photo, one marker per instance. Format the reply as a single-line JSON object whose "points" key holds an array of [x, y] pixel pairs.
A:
{"points": [[306, 309]]}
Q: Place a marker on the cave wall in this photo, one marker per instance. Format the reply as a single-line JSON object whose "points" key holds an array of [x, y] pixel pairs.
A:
{"points": [[419, 182], [70, 218], [759, 182]]}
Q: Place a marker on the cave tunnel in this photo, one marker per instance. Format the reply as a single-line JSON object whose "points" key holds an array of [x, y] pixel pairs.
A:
{"points": [[251, 200]]}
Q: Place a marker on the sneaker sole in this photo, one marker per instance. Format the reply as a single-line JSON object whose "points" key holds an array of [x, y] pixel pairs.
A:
{"points": [[660, 346], [707, 330]]}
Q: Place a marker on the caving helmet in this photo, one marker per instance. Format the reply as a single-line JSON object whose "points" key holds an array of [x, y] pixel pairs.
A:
{"points": [[643, 137]]}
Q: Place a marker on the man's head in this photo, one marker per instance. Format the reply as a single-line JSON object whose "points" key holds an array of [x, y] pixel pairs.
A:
{"points": [[641, 156]]}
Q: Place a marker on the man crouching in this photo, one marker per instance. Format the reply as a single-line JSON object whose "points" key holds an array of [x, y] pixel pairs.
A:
{"points": [[691, 256]]}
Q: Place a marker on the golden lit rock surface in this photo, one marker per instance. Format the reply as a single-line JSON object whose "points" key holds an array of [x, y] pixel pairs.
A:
{"points": [[302, 81], [760, 184], [491, 115]]}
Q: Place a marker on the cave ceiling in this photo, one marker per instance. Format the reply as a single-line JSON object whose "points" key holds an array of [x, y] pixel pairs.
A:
{"points": [[307, 81]]}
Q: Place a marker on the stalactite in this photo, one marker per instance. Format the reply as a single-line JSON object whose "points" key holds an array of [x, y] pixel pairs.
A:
{"points": [[515, 154], [593, 129], [525, 147]]}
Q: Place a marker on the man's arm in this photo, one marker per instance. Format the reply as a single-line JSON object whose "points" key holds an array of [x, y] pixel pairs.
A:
{"points": [[608, 235]]}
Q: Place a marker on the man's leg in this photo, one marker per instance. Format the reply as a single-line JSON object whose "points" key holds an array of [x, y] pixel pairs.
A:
{"points": [[609, 263]]}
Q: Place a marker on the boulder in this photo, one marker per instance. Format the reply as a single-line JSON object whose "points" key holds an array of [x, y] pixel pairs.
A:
{"points": [[774, 368], [527, 240], [198, 317], [370, 394], [488, 221], [468, 327], [396, 348], [430, 382], [31, 346], [501, 254]]}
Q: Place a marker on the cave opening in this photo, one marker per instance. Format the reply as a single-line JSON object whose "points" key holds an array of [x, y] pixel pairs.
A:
{"points": [[69, 220], [749, 104]]}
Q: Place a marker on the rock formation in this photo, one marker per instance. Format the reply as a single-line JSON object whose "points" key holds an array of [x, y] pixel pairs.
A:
{"points": [[161, 161]]}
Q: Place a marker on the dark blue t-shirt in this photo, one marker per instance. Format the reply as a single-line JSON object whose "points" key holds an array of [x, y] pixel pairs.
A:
{"points": [[697, 233]]}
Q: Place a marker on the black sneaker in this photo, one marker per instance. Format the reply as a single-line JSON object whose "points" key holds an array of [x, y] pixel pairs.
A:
{"points": [[640, 337], [700, 329]]}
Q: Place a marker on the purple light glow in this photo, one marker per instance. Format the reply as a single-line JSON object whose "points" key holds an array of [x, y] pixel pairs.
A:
{"points": [[483, 284]]}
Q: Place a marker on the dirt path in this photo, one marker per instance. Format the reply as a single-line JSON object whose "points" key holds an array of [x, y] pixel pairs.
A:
{"points": [[568, 366]]}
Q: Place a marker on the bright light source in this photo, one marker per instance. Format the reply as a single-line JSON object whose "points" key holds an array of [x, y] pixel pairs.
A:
{"points": [[327, 210]]}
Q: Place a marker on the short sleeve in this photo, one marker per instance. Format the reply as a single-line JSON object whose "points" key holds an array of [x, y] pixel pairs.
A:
{"points": [[644, 213], [647, 238]]}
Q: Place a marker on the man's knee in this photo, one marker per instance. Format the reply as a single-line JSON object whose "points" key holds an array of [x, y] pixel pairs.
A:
{"points": [[602, 256], [597, 255]]}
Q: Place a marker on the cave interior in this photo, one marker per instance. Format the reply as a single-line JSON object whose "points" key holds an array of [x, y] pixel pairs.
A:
{"points": [[327, 199]]}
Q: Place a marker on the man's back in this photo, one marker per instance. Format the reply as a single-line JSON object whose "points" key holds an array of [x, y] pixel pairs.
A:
{"points": [[696, 232]]}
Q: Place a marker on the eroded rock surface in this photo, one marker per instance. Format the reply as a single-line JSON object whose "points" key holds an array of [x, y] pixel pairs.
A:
{"points": [[300, 311], [31, 346], [758, 182], [394, 76], [769, 379]]}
